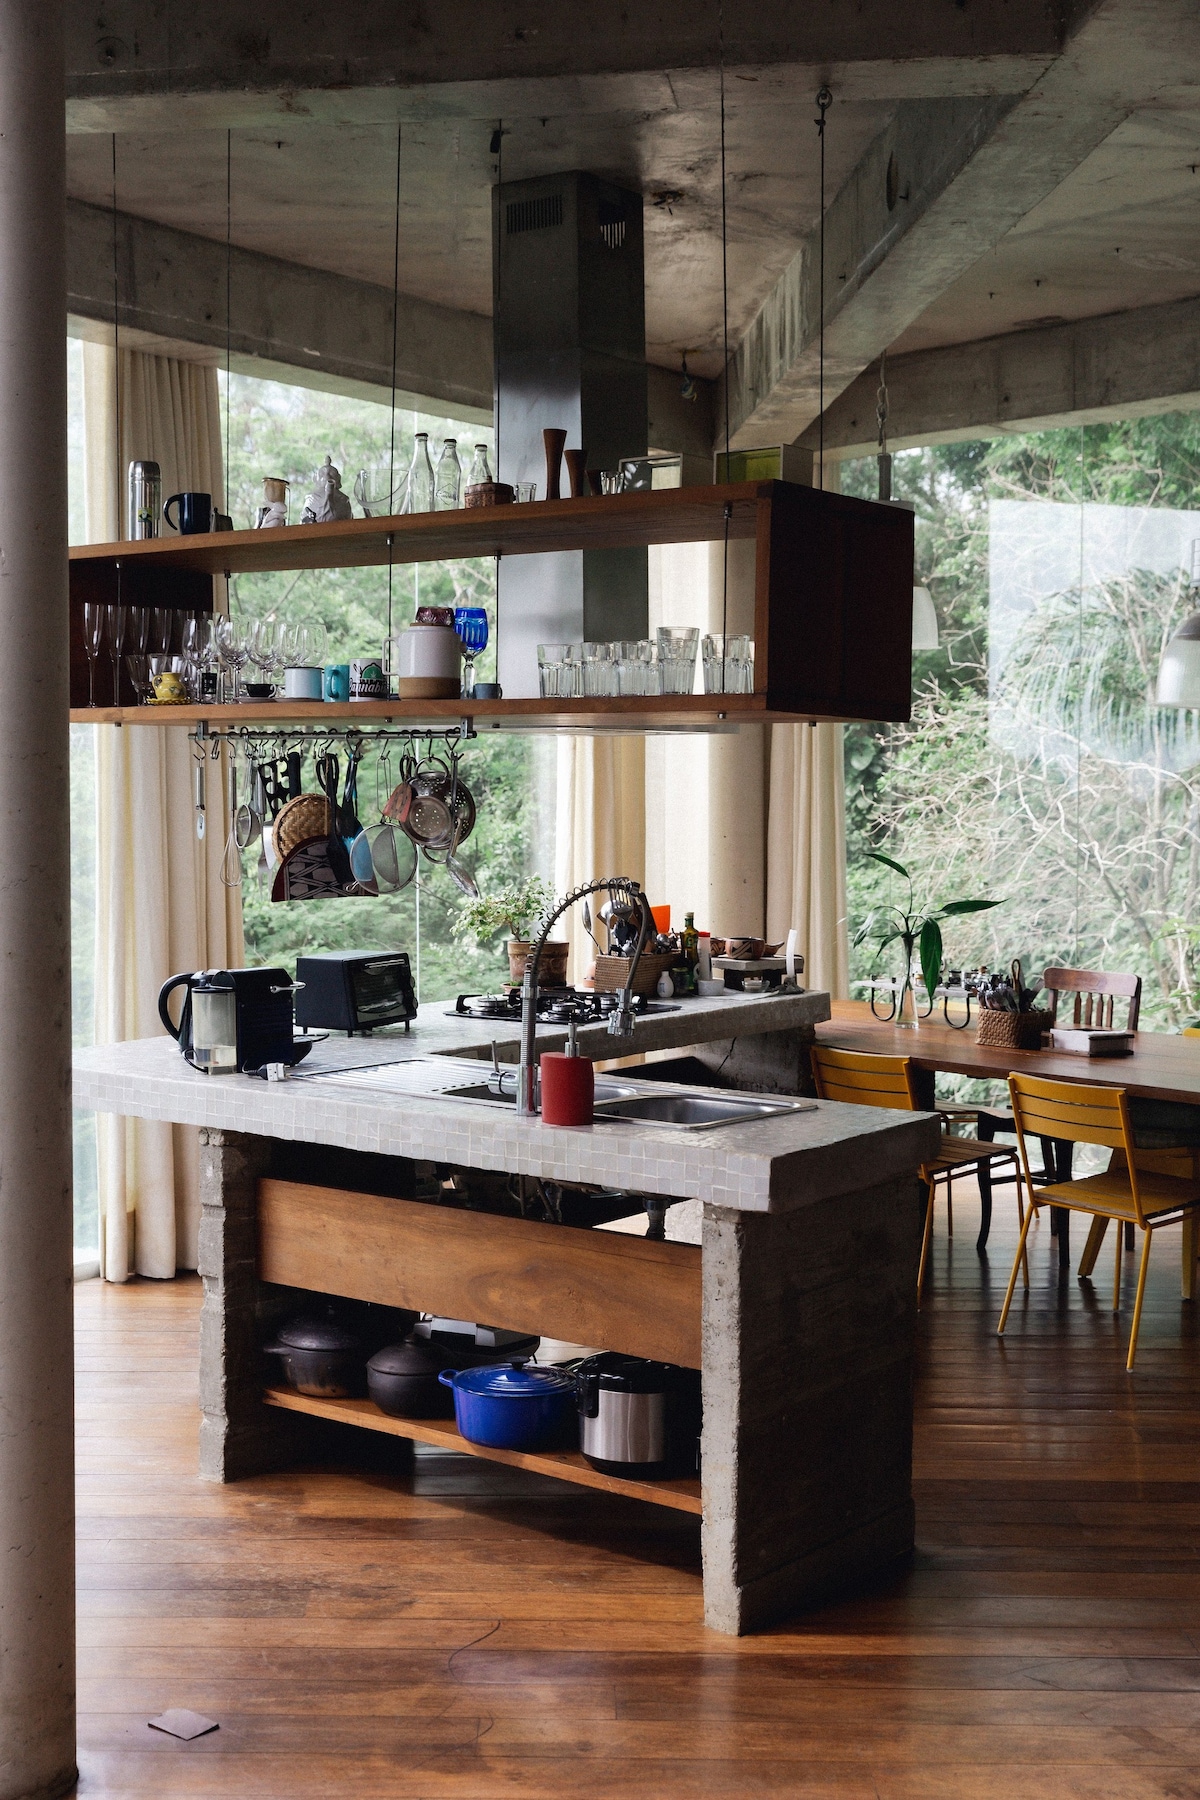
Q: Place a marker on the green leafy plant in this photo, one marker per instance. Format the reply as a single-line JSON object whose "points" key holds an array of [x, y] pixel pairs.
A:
{"points": [[520, 908], [915, 928]]}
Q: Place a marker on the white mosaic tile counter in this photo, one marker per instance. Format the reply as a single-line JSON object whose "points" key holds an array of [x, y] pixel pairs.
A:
{"points": [[794, 1160]]}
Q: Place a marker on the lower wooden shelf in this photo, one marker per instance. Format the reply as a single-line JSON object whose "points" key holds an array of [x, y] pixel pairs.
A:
{"points": [[568, 1465]]}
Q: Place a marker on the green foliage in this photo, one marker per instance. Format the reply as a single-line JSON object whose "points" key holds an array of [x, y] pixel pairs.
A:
{"points": [[520, 909], [913, 925], [1055, 777]]}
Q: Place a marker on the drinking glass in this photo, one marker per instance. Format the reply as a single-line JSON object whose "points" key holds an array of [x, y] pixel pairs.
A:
{"points": [[139, 673], [552, 662], [471, 624], [597, 670], [304, 644], [612, 481], [263, 644], [629, 671], [93, 638], [677, 658], [728, 664], [524, 492], [138, 631], [162, 628], [118, 623], [232, 650], [189, 637]]}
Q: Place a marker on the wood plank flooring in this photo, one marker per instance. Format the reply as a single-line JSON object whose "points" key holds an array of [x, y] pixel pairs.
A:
{"points": [[474, 1632]]}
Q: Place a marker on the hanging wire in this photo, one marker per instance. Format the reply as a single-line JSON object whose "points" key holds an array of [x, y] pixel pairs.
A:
{"points": [[724, 340], [228, 305], [497, 148], [116, 345], [392, 437], [883, 459], [824, 101]]}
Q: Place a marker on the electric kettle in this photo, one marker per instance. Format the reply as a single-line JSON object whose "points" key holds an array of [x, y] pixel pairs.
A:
{"points": [[234, 1019]]}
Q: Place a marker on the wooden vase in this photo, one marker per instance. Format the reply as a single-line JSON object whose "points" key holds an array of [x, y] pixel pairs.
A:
{"points": [[555, 442], [576, 461]]}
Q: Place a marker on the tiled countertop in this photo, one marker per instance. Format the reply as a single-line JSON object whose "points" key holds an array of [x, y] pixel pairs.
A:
{"points": [[777, 1164]]}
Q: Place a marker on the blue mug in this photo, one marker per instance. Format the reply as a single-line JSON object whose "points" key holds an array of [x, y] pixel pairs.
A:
{"points": [[195, 514], [335, 681]]}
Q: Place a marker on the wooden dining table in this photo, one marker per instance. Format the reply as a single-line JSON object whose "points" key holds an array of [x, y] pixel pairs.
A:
{"points": [[1163, 1066]]}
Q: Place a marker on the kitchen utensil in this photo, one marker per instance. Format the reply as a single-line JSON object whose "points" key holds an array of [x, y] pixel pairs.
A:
{"points": [[328, 771], [362, 869], [512, 1409], [302, 683], [145, 498], [355, 990], [321, 1355], [195, 514], [306, 873], [233, 1019], [293, 764], [304, 817], [393, 856], [335, 681], [638, 1419], [554, 442], [367, 679], [402, 1380], [348, 823], [429, 662]]}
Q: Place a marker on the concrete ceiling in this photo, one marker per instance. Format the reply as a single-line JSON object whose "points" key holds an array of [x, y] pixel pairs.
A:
{"points": [[1048, 159], [324, 196]]}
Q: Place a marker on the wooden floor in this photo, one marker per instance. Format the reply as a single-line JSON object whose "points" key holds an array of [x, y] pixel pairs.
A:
{"points": [[476, 1632]]}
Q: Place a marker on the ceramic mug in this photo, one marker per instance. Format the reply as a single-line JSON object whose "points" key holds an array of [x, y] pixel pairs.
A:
{"points": [[302, 683], [195, 514], [335, 681], [367, 680]]}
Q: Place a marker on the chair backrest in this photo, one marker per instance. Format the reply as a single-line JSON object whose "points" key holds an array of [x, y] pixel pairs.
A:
{"points": [[1094, 992], [1078, 1113], [861, 1080]]}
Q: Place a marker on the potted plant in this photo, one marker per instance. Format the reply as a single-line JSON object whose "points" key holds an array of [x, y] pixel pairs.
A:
{"points": [[918, 930], [519, 909]]}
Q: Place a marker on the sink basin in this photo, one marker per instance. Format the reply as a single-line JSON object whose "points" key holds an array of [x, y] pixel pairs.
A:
{"points": [[695, 1111], [614, 1092]]}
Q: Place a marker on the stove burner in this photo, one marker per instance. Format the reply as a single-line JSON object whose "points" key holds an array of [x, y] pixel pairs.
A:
{"points": [[555, 1006]]}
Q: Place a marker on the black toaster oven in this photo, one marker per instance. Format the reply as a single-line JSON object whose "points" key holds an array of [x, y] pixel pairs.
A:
{"points": [[354, 990]]}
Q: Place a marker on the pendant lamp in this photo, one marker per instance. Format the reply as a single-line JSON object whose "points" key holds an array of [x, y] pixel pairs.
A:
{"points": [[924, 616], [1179, 668]]}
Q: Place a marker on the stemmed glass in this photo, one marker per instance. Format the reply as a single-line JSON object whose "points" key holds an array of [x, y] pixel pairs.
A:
{"points": [[232, 650], [209, 655], [304, 643], [162, 628], [264, 645], [93, 638], [118, 622], [471, 624]]}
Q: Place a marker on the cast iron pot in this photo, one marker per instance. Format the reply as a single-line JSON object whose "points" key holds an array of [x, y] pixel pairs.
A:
{"points": [[513, 1409], [402, 1379], [320, 1356]]}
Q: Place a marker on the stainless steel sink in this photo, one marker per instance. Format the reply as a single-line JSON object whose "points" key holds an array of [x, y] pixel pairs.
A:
{"points": [[694, 1111], [614, 1092]]}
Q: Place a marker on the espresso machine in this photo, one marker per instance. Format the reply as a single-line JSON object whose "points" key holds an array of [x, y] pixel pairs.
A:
{"points": [[234, 1020]]}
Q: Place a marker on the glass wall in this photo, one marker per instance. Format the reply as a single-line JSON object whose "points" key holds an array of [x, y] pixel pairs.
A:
{"points": [[277, 429], [1037, 768]]}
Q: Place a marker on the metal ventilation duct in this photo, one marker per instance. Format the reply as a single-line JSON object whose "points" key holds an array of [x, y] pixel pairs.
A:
{"points": [[569, 322]]}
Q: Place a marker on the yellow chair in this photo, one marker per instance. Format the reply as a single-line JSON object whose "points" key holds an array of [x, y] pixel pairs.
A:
{"points": [[857, 1079], [1128, 1192]]}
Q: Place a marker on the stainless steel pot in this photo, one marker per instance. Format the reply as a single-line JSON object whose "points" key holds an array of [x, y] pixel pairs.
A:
{"points": [[624, 1406]]}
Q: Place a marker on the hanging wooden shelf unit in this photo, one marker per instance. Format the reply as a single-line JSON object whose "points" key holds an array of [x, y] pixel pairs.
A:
{"points": [[832, 600]]}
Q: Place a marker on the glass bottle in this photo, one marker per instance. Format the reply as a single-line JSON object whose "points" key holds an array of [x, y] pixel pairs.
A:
{"points": [[418, 488], [448, 483], [480, 471], [690, 939]]}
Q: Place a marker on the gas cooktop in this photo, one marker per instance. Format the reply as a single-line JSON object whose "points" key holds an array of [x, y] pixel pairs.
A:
{"points": [[555, 1006]]}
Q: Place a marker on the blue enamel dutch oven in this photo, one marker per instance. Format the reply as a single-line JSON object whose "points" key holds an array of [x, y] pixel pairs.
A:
{"points": [[513, 1409]]}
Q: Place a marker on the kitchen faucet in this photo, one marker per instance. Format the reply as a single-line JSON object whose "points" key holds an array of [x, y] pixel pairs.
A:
{"points": [[620, 1021]]}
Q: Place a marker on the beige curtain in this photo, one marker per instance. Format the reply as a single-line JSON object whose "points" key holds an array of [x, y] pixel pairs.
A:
{"points": [[161, 907], [600, 823], [806, 850]]}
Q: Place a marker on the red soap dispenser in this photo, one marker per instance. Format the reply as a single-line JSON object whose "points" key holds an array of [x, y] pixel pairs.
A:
{"points": [[568, 1085]]}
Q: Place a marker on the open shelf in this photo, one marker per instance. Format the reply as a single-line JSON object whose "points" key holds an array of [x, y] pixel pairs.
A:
{"points": [[833, 579], [567, 1465]]}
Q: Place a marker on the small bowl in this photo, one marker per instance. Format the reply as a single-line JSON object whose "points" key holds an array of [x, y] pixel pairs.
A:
{"points": [[708, 990], [260, 690]]}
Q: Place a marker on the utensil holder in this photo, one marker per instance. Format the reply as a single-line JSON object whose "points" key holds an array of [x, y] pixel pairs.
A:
{"points": [[1012, 1031], [612, 972]]}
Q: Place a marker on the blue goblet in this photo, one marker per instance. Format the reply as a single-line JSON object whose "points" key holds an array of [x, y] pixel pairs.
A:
{"points": [[471, 624]]}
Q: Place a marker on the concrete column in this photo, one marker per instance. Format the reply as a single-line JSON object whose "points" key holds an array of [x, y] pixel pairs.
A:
{"points": [[808, 1344], [37, 1599]]}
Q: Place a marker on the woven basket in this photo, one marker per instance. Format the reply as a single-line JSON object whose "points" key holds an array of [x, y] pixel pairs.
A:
{"points": [[612, 972], [307, 816], [1012, 1031]]}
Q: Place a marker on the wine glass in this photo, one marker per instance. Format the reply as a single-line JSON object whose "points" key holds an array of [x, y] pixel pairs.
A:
{"points": [[118, 623], [162, 626], [471, 624], [93, 638], [304, 643], [137, 631], [264, 645], [232, 650]]}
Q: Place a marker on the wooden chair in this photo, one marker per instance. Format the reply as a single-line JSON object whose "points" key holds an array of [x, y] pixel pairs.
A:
{"points": [[860, 1080], [1127, 1192], [1094, 993]]}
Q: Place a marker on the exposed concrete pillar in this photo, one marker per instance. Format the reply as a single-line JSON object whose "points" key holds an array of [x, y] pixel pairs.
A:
{"points": [[37, 1598]]}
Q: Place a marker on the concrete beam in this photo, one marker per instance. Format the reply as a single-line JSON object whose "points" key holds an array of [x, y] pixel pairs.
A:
{"points": [[288, 321], [1119, 366], [133, 66]]}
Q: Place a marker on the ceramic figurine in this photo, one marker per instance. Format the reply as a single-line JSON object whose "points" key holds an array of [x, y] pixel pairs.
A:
{"points": [[327, 501], [274, 510]]}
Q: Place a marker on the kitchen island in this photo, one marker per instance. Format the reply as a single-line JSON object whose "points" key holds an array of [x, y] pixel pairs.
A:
{"points": [[797, 1303]]}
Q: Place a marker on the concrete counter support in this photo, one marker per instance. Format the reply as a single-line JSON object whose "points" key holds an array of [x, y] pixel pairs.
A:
{"points": [[37, 1648]]}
